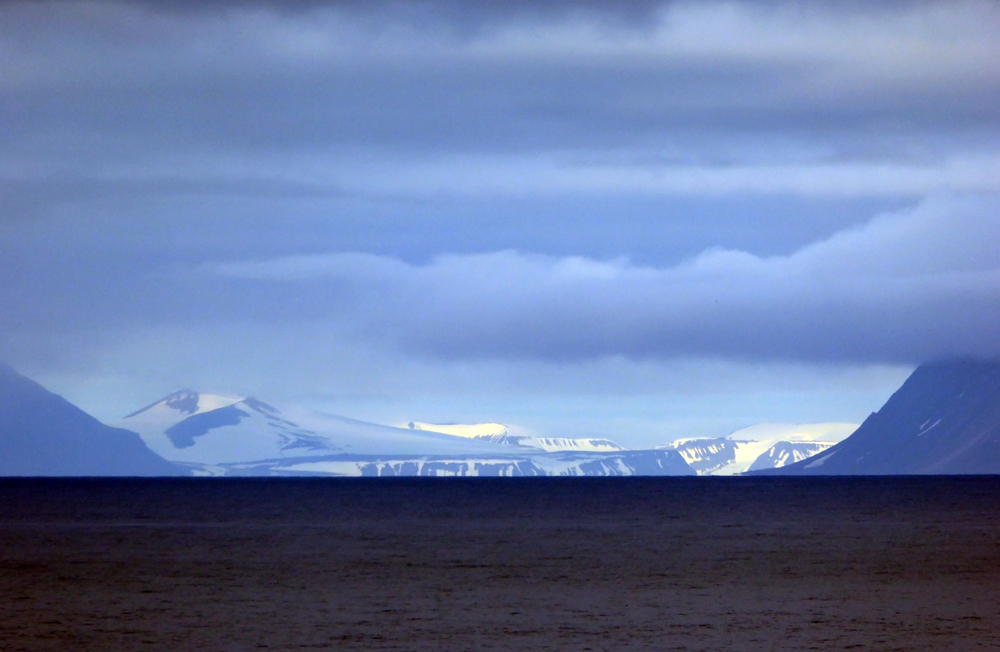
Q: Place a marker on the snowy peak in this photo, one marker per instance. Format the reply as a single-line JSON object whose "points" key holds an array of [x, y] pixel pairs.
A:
{"points": [[762, 446], [209, 429], [786, 452], [184, 403], [188, 426], [707, 456], [245, 436]]}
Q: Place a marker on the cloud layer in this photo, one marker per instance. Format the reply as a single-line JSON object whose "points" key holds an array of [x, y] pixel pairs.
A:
{"points": [[430, 98], [316, 194], [904, 288]]}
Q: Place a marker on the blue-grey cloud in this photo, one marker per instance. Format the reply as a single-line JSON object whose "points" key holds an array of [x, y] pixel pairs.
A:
{"points": [[904, 288], [527, 183], [122, 88]]}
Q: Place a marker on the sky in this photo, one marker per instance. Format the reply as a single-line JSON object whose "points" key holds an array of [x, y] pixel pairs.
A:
{"points": [[640, 221]]}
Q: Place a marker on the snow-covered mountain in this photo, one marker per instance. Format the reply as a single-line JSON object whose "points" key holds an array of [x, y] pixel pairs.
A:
{"points": [[762, 446], [510, 436], [785, 452], [187, 426], [228, 435], [204, 428]]}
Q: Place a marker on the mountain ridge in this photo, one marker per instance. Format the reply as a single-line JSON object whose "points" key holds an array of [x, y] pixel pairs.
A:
{"points": [[761, 446], [43, 434], [944, 419], [235, 435]]}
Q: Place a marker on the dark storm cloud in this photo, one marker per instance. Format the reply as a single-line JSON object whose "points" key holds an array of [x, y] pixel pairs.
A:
{"points": [[684, 81]]}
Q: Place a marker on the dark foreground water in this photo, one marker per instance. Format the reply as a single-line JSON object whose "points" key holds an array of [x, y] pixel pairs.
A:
{"points": [[542, 564]]}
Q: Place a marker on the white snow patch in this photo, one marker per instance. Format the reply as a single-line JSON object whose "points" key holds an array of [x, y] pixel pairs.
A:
{"points": [[747, 453], [923, 430], [263, 434], [209, 402], [716, 457], [820, 461], [513, 436], [469, 430]]}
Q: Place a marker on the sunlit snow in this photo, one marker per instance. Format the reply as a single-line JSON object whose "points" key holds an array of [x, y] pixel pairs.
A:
{"points": [[761, 446], [512, 436]]}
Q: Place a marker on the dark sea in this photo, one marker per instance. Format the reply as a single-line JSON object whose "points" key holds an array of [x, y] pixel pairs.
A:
{"points": [[904, 563]]}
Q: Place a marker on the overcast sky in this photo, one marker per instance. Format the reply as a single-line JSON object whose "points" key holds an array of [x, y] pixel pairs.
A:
{"points": [[668, 220]]}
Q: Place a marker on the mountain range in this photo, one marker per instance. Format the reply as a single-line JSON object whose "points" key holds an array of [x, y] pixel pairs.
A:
{"points": [[944, 419], [232, 435], [762, 446]]}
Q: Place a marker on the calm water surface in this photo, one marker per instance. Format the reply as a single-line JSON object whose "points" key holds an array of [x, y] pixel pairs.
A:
{"points": [[508, 564]]}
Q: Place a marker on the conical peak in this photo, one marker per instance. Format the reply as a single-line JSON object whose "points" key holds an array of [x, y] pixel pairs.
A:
{"points": [[189, 402], [184, 400]]}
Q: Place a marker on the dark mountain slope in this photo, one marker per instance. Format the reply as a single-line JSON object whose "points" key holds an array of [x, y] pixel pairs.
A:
{"points": [[44, 434], [944, 419]]}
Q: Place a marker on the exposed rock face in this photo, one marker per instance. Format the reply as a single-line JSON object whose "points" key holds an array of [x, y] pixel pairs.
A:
{"points": [[45, 435], [785, 453], [945, 419], [730, 456]]}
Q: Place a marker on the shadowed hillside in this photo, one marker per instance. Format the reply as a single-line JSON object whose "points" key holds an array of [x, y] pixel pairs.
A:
{"points": [[944, 419], [44, 434]]}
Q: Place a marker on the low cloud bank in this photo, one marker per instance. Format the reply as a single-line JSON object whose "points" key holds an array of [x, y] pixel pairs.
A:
{"points": [[906, 287]]}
